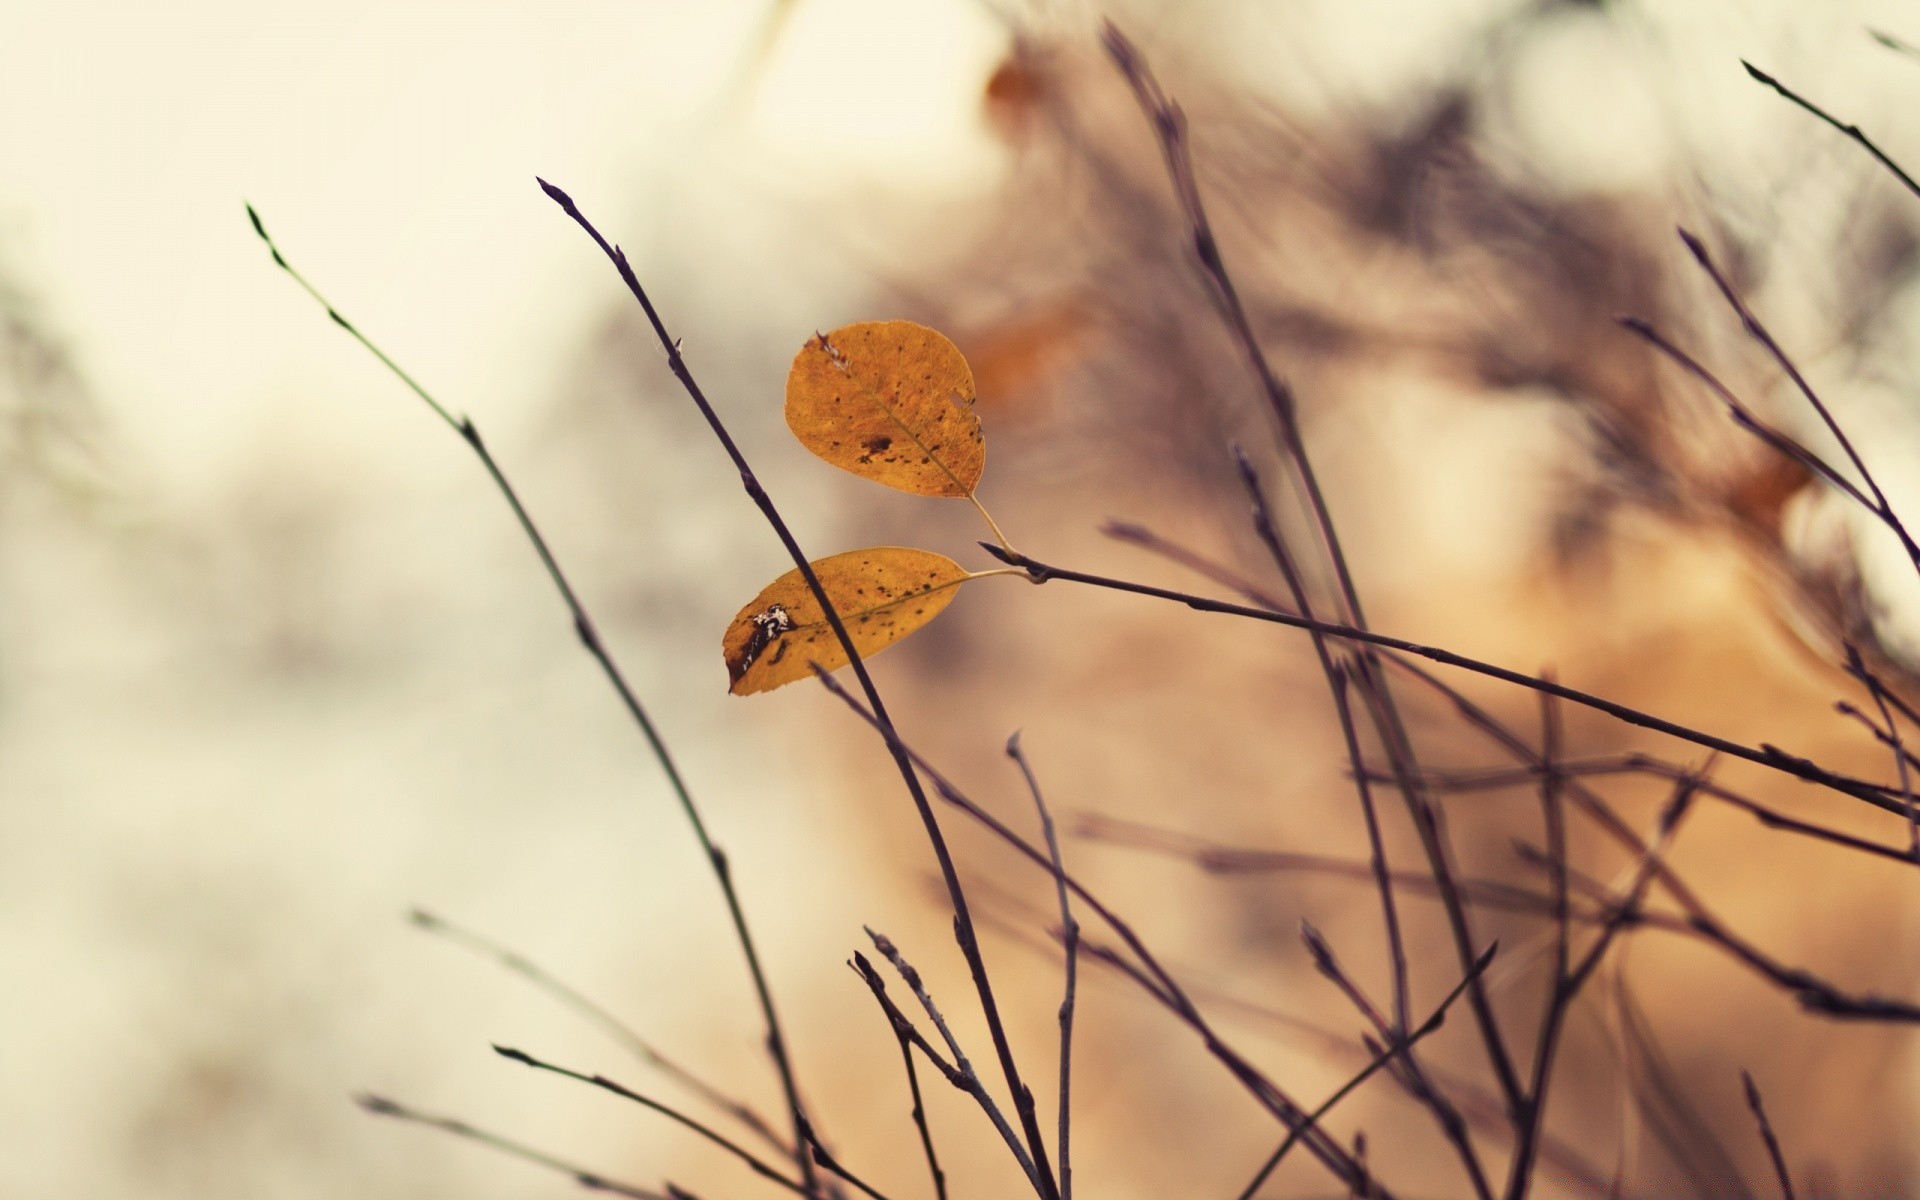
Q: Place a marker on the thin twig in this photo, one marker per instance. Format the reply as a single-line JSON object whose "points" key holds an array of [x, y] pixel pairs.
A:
{"points": [[964, 933], [1635, 763], [589, 635], [608, 1023], [1881, 506], [1782, 443], [1070, 949], [593, 1181], [1813, 993], [964, 1075], [1850, 130], [1170, 127], [826, 1160], [908, 1036], [1339, 678], [758, 1165], [1767, 1135], [1532, 1111], [1393, 1051], [1151, 974], [1896, 44], [1771, 757], [1857, 667]]}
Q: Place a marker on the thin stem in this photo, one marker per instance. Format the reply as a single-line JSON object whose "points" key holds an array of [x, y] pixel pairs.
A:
{"points": [[988, 574], [1898, 45], [759, 1166], [1070, 949], [1559, 999], [964, 933], [1746, 418], [608, 1023], [593, 1181], [1169, 125], [589, 636], [1881, 506], [1857, 667], [905, 1034], [988, 518], [964, 1075], [1430, 1025], [827, 1161], [1759, 1110], [1771, 757], [1850, 130]]}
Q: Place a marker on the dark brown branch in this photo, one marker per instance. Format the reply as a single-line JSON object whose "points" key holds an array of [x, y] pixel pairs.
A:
{"points": [[964, 934], [1642, 764], [1857, 667], [1881, 507]]}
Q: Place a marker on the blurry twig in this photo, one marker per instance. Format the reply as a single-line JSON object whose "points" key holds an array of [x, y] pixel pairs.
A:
{"points": [[610, 1024], [1857, 667], [589, 636], [1759, 1110], [380, 1106]]}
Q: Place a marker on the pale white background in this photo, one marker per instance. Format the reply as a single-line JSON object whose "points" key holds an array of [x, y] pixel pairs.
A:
{"points": [[276, 667]]}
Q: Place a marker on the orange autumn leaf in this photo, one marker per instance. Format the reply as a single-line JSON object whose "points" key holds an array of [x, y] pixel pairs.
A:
{"points": [[882, 594], [890, 401]]}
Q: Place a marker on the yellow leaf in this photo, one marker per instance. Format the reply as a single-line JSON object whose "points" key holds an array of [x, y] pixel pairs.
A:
{"points": [[891, 401], [882, 594]]}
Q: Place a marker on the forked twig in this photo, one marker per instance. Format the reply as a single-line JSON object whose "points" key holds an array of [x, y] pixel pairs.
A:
{"points": [[963, 1074], [910, 1039], [1394, 1050]]}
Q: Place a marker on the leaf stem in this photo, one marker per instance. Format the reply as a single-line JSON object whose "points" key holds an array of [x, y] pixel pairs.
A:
{"points": [[991, 523]]}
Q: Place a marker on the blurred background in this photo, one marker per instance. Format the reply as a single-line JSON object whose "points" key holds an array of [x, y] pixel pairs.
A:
{"points": [[276, 666]]}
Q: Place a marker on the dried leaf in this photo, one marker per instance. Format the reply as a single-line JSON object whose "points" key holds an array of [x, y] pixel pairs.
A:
{"points": [[882, 594], [891, 401]]}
